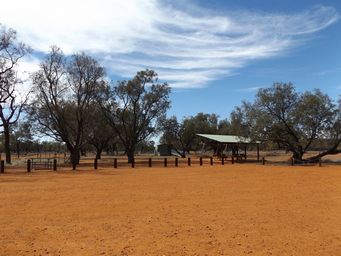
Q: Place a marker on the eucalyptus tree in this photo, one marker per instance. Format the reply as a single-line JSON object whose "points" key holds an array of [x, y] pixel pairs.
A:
{"points": [[179, 135], [294, 121], [99, 133], [65, 91], [182, 136], [135, 108], [21, 137], [11, 102]]}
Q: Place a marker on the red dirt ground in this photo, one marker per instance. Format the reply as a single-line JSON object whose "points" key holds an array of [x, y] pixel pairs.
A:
{"points": [[241, 209]]}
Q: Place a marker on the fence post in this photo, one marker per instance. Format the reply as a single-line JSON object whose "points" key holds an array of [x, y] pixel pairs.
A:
{"points": [[176, 162], [115, 163], [320, 162], [189, 161], [200, 160], [211, 160], [95, 163], [232, 159], [133, 162], [150, 162], [165, 162], [2, 166], [292, 161], [263, 161], [222, 161], [28, 165], [55, 164]]}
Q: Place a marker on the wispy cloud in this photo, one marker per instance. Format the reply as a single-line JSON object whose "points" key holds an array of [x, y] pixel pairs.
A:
{"points": [[328, 71], [249, 89], [188, 49]]}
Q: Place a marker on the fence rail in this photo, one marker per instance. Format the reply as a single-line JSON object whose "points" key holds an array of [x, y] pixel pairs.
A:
{"points": [[149, 162], [144, 162]]}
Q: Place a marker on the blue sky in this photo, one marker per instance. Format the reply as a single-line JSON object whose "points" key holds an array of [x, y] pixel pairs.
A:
{"points": [[315, 63], [213, 53]]}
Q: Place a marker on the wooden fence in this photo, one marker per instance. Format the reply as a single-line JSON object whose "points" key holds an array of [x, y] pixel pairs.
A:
{"points": [[141, 162]]}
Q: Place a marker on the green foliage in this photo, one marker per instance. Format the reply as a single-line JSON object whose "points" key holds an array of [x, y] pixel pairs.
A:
{"points": [[99, 132], [294, 121], [135, 108], [182, 136]]}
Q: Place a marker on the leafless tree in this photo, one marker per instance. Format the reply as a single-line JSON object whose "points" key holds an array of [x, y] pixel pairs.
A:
{"points": [[11, 104]]}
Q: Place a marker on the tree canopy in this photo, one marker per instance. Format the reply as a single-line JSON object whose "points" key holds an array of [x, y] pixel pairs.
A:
{"points": [[135, 108], [294, 121], [182, 136], [65, 90]]}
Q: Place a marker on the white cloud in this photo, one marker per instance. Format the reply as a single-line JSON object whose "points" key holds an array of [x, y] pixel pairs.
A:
{"points": [[26, 66], [187, 49], [249, 89]]}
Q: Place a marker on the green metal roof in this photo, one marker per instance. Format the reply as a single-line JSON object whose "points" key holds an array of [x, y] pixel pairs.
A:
{"points": [[227, 138]]}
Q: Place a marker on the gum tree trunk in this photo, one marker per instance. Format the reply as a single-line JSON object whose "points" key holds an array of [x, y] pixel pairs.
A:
{"points": [[7, 146]]}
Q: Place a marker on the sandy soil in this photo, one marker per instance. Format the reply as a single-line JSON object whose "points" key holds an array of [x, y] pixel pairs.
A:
{"points": [[241, 209]]}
